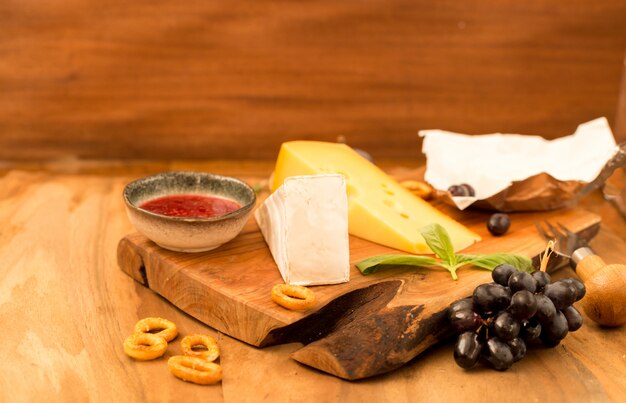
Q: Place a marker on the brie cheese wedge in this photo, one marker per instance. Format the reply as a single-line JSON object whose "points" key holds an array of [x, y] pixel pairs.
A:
{"points": [[305, 224]]}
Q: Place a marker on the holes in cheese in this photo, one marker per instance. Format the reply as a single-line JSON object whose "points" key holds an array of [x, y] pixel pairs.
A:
{"points": [[387, 214]]}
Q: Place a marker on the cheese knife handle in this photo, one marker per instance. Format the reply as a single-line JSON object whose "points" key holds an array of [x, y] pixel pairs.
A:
{"points": [[605, 300]]}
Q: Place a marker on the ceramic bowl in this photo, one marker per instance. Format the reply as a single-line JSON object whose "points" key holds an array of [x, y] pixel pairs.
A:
{"points": [[188, 234]]}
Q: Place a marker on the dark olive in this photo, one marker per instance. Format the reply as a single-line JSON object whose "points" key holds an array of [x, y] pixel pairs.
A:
{"points": [[499, 224]]}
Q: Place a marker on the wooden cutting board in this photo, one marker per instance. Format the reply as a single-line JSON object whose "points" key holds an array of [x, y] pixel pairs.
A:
{"points": [[370, 325]]}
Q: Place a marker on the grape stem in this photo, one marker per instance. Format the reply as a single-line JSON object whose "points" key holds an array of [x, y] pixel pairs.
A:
{"points": [[545, 257]]}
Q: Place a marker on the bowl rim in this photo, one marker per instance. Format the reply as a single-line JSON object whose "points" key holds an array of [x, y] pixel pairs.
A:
{"points": [[240, 211]]}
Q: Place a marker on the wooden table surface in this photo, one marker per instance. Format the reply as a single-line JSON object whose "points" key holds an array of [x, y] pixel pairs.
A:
{"points": [[66, 307]]}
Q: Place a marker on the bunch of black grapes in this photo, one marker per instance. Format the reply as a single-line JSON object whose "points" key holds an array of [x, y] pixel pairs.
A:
{"points": [[516, 311]]}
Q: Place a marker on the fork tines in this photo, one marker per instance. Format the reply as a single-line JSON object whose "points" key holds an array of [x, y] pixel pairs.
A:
{"points": [[552, 232], [543, 232], [566, 230]]}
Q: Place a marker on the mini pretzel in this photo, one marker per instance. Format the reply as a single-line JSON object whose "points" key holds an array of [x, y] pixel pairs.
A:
{"points": [[295, 297], [210, 354], [145, 346], [169, 331], [195, 369]]}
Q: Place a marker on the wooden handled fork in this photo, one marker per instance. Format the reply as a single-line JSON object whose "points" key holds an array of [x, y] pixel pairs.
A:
{"points": [[605, 300]]}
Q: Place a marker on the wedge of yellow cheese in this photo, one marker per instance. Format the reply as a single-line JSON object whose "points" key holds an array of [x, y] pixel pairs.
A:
{"points": [[379, 209]]}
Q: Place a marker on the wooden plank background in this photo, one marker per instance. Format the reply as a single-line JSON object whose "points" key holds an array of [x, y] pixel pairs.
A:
{"points": [[233, 79], [620, 119]]}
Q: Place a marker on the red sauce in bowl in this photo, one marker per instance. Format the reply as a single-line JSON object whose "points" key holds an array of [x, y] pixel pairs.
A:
{"points": [[190, 205]]}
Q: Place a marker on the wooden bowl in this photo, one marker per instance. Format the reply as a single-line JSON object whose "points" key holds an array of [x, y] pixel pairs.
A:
{"points": [[188, 234]]}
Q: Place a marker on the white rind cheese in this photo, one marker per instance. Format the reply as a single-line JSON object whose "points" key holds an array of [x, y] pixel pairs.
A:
{"points": [[305, 224]]}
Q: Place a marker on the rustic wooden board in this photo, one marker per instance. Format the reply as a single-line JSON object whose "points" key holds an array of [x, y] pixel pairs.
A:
{"points": [[370, 325]]}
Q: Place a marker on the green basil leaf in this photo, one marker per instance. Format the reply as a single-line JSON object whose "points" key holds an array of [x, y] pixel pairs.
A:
{"points": [[464, 259], [374, 263], [489, 262], [438, 241]]}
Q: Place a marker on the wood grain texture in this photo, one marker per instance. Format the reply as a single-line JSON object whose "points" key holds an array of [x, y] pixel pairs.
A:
{"points": [[620, 119], [368, 326], [66, 307], [200, 79]]}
